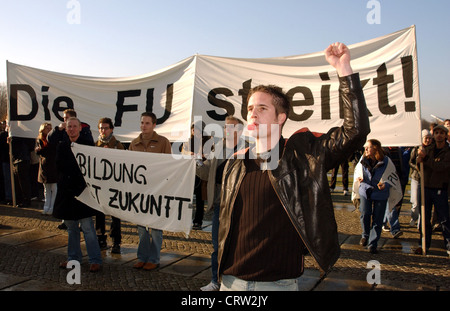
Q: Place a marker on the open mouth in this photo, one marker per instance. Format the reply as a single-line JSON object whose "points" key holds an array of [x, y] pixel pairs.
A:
{"points": [[252, 126]]}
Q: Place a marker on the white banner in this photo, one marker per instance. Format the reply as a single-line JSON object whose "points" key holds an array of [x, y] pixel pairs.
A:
{"points": [[149, 189], [211, 88], [37, 96]]}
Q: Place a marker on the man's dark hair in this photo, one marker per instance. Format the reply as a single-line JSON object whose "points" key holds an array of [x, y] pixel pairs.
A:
{"points": [[70, 112], [151, 115], [279, 99], [107, 121]]}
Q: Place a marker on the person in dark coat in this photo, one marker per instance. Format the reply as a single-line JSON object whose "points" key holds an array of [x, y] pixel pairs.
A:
{"points": [[106, 139], [21, 149], [4, 162], [47, 174], [75, 213], [195, 147], [59, 132]]}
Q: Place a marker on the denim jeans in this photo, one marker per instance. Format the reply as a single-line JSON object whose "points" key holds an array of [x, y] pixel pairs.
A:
{"points": [[50, 196], [415, 190], [392, 218], [149, 250], [232, 283], [372, 214], [90, 238], [438, 198]]}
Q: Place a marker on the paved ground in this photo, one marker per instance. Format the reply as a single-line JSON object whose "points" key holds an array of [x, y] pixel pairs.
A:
{"points": [[31, 248]]}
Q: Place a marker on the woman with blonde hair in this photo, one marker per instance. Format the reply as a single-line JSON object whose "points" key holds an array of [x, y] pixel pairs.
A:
{"points": [[47, 167]]}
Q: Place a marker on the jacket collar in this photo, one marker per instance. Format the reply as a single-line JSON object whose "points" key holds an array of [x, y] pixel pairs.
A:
{"points": [[139, 140]]}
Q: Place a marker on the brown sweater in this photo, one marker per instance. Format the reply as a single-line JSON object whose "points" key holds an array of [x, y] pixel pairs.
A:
{"points": [[264, 246]]}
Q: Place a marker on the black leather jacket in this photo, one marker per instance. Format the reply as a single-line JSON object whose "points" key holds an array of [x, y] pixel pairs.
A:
{"points": [[300, 179]]}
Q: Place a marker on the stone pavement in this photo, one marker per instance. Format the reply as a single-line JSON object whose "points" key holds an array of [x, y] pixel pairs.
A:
{"points": [[31, 248]]}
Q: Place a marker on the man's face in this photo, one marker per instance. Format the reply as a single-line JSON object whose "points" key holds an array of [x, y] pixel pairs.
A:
{"points": [[147, 125], [447, 124], [104, 130], [261, 111], [73, 129], [439, 135], [196, 132], [233, 130], [427, 140]]}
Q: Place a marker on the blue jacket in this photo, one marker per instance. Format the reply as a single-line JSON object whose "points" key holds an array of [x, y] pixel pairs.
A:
{"points": [[371, 177]]}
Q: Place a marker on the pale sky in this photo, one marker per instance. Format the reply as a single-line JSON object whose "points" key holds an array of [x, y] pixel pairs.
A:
{"points": [[113, 38]]}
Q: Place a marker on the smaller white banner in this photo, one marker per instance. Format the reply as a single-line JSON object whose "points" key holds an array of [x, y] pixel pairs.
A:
{"points": [[389, 176], [149, 189]]}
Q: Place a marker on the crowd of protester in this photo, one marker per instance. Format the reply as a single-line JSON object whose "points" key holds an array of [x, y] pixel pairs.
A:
{"points": [[35, 173]]}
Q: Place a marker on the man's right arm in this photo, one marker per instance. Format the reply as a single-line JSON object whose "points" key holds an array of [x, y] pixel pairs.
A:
{"points": [[351, 136]]}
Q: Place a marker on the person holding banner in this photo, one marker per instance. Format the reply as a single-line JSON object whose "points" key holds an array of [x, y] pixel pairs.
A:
{"points": [[400, 157], [106, 139], [149, 251], [436, 168], [59, 132], [373, 181], [415, 178], [75, 213], [276, 202]]}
